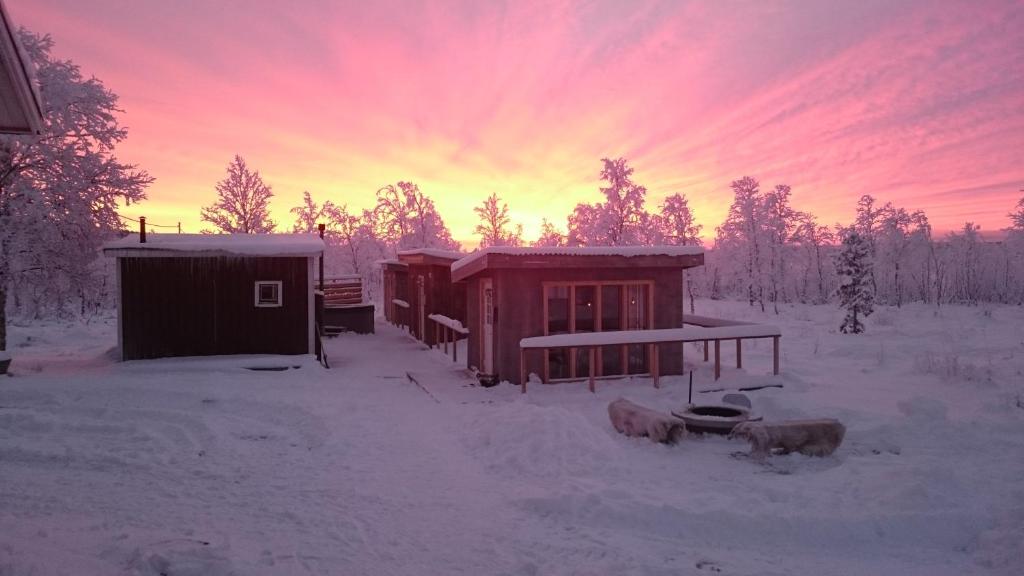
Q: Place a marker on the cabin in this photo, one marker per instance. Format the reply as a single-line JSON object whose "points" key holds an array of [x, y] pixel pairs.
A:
{"points": [[395, 283], [430, 290], [213, 294], [516, 293]]}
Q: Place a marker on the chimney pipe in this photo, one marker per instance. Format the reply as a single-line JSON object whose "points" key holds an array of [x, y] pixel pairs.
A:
{"points": [[320, 228], [142, 229]]}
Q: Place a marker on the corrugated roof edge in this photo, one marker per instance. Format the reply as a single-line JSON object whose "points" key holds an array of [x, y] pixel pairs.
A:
{"points": [[626, 251], [199, 244]]}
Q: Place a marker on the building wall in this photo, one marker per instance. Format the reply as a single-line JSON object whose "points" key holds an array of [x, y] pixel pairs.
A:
{"points": [[205, 306], [442, 297], [519, 297]]}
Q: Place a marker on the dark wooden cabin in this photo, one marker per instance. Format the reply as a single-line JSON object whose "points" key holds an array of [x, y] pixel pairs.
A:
{"points": [[395, 282], [212, 294], [430, 290], [515, 293]]}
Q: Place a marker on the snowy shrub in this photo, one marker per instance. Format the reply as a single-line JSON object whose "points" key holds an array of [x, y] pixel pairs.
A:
{"points": [[951, 367]]}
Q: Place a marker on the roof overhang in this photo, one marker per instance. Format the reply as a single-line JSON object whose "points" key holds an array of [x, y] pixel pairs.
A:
{"points": [[470, 266], [215, 245], [21, 109]]}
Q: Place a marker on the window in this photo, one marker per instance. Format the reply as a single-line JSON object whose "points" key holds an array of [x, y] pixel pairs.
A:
{"points": [[268, 294], [596, 307]]}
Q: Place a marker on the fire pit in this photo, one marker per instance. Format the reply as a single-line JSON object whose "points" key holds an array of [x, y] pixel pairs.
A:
{"points": [[712, 418]]}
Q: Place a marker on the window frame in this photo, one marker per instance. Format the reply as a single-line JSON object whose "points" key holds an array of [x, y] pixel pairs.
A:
{"points": [[258, 301], [623, 312]]}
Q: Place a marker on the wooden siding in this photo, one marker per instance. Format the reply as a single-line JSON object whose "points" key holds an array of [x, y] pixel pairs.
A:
{"points": [[441, 297], [205, 306], [519, 298]]}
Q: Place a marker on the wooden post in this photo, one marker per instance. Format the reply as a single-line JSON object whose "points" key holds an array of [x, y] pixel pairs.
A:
{"points": [[142, 229], [593, 361], [718, 359], [775, 355], [739, 353], [522, 368], [320, 228], [655, 369], [437, 336], [455, 347], [705, 350]]}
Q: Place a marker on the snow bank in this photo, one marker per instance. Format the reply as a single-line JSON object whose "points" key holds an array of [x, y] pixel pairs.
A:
{"points": [[4, 355], [240, 244], [401, 303], [521, 439]]}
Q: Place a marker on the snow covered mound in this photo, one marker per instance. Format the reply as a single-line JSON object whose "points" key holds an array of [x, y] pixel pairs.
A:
{"points": [[522, 439]]}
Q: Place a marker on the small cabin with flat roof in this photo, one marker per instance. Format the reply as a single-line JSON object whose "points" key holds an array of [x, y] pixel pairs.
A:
{"points": [[430, 290], [213, 294], [516, 293]]}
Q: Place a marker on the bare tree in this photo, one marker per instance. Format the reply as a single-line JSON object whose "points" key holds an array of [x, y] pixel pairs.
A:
{"points": [[242, 202], [493, 228]]}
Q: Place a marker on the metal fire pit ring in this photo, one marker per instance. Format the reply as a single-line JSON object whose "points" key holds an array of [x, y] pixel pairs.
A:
{"points": [[712, 418]]}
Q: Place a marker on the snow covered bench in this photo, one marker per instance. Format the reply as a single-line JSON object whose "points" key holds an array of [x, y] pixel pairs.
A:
{"points": [[653, 338]]}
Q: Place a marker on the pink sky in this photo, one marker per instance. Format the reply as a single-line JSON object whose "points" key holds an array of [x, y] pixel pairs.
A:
{"points": [[918, 103]]}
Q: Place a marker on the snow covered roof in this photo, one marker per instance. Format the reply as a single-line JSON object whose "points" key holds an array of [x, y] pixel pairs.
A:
{"points": [[198, 245], [21, 110], [478, 260], [435, 252], [391, 262]]}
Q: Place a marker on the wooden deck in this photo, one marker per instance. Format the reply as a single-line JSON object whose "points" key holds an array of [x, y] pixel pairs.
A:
{"points": [[702, 329]]}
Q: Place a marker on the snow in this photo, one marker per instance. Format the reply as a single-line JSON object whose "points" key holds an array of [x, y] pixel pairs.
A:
{"points": [[200, 466], [435, 252], [398, 302], [688, 334], [4, 355], [202, 244], [449, 322], [627, 251]]}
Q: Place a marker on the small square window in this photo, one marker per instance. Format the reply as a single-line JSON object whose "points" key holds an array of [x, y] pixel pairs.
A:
{"points": [[268, 294]]}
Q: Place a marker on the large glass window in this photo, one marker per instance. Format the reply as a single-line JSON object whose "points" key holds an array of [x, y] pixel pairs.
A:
{"points": [[598, 307], [558, 323]]}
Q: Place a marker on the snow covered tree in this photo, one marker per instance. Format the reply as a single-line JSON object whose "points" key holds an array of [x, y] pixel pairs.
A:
{"points": [[779, 221], [815, 241], [856, 295], [310, 214], [407, 219], [493, 228], [620, 220], [740, 238], [676, 223], [242, 202], [1017, 217], [60, 190], [549, 235]]}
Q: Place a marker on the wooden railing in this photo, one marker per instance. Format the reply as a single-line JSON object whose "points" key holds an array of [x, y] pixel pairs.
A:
{"points": [[448, 329], [652, 339]]}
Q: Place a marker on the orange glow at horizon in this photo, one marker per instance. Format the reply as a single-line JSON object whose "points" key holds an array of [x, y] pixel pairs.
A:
{"points": [[918, 103]]}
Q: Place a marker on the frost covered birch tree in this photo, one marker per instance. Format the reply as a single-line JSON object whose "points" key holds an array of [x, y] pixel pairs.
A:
{"points": [[740, 238], [620, 219], [60, 190], [494, 228], [407, 219], [549, 235], [243, 202]]}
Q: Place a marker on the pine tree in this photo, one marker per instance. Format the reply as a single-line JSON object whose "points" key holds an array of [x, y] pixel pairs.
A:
{"points": [[242, 203], [853, 266]]}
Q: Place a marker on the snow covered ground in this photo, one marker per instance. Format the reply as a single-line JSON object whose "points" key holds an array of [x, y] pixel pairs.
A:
{"points": [[201, 466]]}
